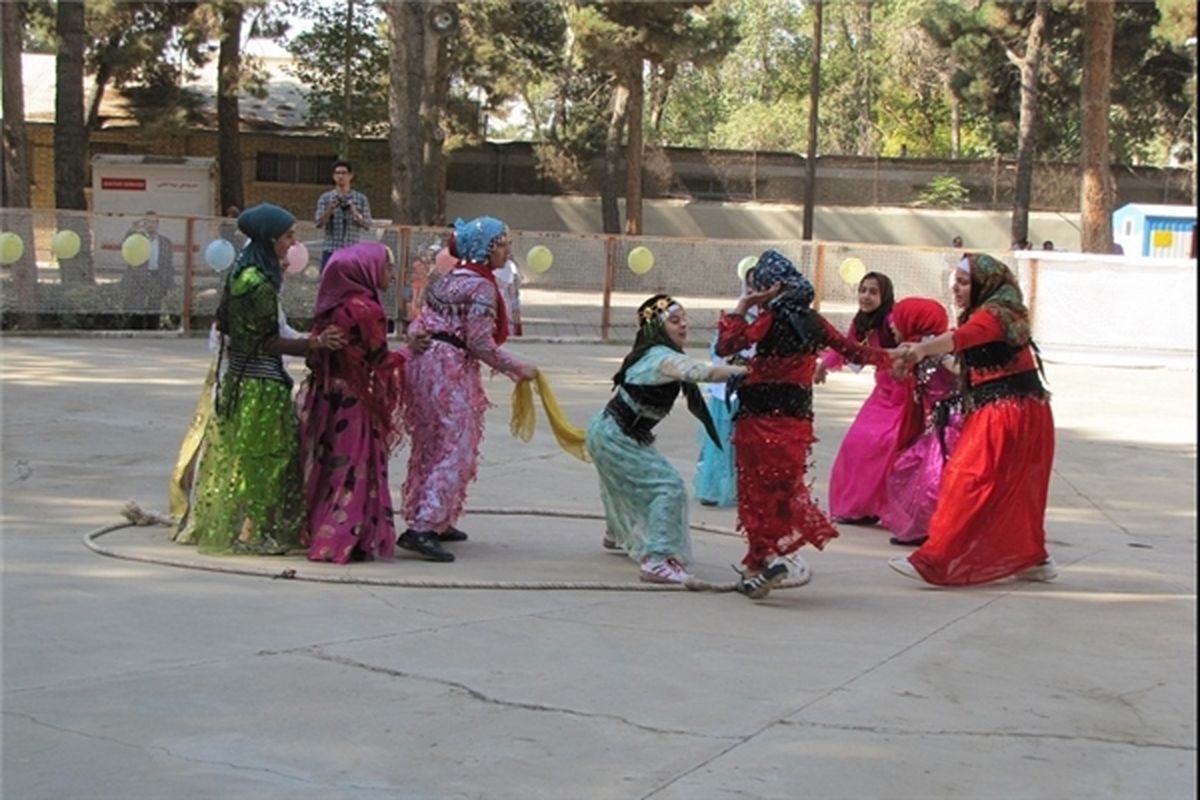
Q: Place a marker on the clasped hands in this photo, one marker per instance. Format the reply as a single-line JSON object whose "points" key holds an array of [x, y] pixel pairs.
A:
{"points": [[903, 356]]}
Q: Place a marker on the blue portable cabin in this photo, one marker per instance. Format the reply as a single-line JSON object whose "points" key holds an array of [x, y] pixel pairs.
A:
{"points": [[1159, 231]]}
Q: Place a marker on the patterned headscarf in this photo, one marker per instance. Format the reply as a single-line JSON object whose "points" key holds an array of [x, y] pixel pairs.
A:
{"points": [[651, 315], [993, 286], [360, 269], [264, 223], [473, 240], [793, 303]]}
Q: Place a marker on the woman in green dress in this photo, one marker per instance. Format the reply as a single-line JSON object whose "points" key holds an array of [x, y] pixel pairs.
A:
{"points": [[250, 492]]}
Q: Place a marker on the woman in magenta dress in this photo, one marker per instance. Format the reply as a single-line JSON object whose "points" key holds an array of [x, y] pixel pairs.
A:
{"points": [[929, 425], [990, 521], [466, 319], [350, 412], [856, 482]]}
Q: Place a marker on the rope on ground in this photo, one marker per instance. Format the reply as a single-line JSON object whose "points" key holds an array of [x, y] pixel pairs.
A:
{"points": [[137, 517]]}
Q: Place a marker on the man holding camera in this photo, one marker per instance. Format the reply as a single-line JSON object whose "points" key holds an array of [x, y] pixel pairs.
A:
{"points": [[343, 212]]}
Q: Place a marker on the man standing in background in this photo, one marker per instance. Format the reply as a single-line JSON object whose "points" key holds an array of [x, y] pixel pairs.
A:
{"points": [[343, 212]]}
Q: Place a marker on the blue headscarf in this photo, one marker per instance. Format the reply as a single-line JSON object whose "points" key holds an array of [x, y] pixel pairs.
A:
{"points": [[793, 303], [264, 223], [473, 240]]}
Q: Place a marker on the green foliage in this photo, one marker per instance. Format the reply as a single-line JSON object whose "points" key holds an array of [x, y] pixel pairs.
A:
{"points": [[322, 54], [944, 191]]}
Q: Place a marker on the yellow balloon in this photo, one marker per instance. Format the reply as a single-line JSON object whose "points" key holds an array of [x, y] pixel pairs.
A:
{"points": [[852, 270], [135, 250], [640, 260], [65, 244], [539, 258], [11, 247]]}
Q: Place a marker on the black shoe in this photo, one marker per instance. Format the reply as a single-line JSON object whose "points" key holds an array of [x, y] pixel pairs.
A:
{"points": [[913, 543], [424, 543], [452, 534], [708, 502], [868, 520], [760, 585]]}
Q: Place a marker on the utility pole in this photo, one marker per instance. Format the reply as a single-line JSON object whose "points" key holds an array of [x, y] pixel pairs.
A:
{"points": [[814, 94]]}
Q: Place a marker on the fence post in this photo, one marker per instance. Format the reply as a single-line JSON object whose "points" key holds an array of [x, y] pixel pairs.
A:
{"points": [[610, 277], [402, 250], [185, 319], [819, 276]]}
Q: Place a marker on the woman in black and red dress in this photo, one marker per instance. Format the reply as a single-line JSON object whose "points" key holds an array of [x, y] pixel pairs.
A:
{"points": [[990, 517], [773, 428]]}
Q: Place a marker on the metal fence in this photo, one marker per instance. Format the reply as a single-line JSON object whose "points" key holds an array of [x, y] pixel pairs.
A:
{"points": [[1140, 309]]}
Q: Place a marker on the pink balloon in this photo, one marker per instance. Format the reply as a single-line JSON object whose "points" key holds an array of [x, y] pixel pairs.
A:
{"points": [[444, 261], [297, 259]]}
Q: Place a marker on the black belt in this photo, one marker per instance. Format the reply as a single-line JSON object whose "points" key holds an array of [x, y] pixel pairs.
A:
{"points": [[631, 423], [774, 400], [449, 338], [1023, 384]]}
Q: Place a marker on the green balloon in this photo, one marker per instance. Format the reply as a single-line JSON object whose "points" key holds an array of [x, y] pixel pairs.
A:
{"points": [[640, 260], [135, 250], [11, 247], [539, 258]]}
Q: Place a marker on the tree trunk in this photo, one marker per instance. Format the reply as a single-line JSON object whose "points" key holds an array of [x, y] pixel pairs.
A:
{"points": [[104, 70], [433, 67], [633, 152], [407, 25], [866, 127], [14, 193], [71, 140], [1030, 67], [229, 71], [15, 190], [955, 116], [814, 96], [609, 212], [1096, 185]]}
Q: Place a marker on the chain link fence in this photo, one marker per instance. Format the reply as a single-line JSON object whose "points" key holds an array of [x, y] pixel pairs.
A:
{"points": [[75, 271]]}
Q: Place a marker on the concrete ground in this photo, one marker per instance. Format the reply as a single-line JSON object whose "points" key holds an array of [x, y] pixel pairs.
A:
{"points": [[130, 680]]}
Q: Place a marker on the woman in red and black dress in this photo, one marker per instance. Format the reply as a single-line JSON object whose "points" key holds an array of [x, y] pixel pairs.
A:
{"points": [[990, 517]]}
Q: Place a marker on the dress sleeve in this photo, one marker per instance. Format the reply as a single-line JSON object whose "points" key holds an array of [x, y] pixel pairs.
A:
{"points": [[851, 350], [480, 330], [832, 360], [735, 333], [982, 327], [682, 368]]}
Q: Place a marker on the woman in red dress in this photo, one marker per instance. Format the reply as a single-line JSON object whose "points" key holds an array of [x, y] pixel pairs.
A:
{"points": [[990, 517]]}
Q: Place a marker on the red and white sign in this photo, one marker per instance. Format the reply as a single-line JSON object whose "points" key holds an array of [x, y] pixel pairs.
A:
{"points": [[124, 184]]}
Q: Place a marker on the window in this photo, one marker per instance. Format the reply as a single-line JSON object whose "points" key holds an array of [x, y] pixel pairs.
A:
{"points": [[286, 168]]}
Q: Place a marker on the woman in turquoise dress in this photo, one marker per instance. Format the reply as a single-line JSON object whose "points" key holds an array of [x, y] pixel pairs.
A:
{"points": [[250, 492], [645, 502]]}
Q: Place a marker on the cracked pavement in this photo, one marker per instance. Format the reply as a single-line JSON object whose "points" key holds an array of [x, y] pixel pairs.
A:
{"points": [[131, 680]]}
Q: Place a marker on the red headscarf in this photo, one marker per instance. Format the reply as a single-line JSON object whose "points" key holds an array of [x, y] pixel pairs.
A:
{"points": [[914, 319]]}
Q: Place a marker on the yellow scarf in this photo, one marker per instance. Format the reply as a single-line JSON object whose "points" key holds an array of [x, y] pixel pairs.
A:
{"points": [[524, 417]]}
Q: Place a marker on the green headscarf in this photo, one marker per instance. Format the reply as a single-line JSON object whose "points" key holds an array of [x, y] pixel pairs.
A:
{"points": [[264, 223]]}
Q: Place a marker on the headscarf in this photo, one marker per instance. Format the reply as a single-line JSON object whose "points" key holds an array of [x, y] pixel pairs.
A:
{"points": [[792, 304], [472, 244], [360, 269], [651, 315], [994, 287], [263, 224], [867, 321], [915, 318]]}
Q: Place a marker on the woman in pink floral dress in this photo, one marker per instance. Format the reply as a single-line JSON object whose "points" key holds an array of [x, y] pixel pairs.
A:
{"points": [[466, 320]]}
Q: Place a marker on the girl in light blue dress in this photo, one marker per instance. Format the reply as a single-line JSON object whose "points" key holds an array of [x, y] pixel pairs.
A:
{"points": [[645, 502]]}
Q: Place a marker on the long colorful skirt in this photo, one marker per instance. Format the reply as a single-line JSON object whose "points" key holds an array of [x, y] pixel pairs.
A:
{"points": [[645, 502], [776, 510], [249, 496], [444, 419], [914, 481], [857, 481], [346, 474], [991, 511], [716, 472]]}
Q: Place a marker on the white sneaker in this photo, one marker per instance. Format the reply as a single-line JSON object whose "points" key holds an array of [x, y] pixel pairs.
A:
{"points": [[1043, 572], [799, 572], [663, 570], [902, 565]]}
